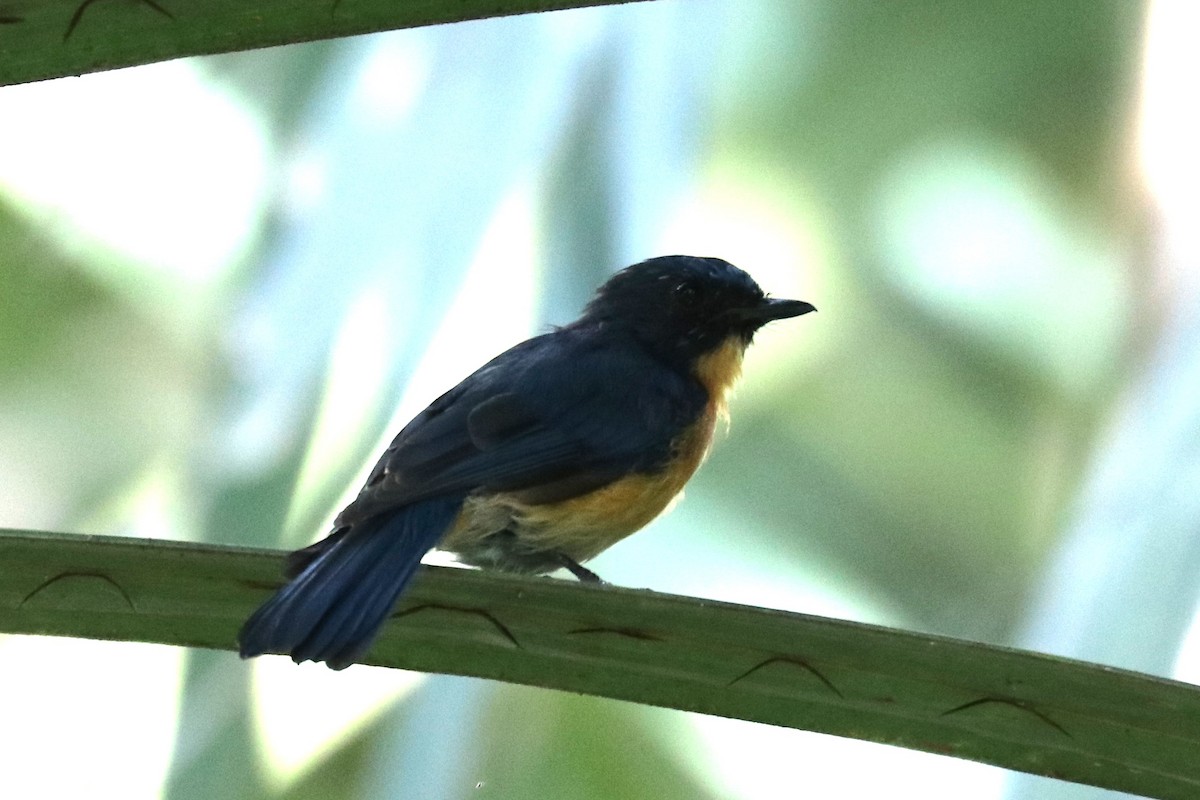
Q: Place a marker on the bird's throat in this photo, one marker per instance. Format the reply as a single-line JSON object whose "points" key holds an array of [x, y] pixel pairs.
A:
{"points": [[718, 371]]}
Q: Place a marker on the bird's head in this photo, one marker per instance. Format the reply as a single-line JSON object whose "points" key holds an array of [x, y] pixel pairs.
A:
{"points": [[683, 308]]}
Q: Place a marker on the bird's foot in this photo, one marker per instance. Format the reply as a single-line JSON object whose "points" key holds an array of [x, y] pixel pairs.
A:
{"points": [[581, 572]]}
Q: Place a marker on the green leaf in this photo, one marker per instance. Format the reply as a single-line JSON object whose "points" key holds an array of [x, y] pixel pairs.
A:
{"points": [[1035, 713], [56, 38]]}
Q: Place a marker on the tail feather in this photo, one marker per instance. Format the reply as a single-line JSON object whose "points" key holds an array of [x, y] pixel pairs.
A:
{"points": [[298, 560], [333, 608]]}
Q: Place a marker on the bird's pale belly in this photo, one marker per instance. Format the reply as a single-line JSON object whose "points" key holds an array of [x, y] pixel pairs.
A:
{"points": [[500, 531]]}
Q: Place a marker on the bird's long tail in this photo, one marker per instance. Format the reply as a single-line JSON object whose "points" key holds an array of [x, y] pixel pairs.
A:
{"points": [[346, 587]]}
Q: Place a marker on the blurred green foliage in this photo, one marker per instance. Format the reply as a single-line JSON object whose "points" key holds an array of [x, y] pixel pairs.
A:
{"points": [[924, 462]]}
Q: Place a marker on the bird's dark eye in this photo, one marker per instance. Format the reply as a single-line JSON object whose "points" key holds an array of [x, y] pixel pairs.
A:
{"points": [[686, 294]]}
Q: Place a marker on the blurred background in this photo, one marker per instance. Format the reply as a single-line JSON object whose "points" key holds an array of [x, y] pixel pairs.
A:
{"points": [[226, 282]]}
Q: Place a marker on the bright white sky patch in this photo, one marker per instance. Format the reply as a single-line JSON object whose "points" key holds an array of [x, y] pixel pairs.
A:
{"points": [[153, 163], [305, 711], [396, 71], [1169, 129], [87, 719]]}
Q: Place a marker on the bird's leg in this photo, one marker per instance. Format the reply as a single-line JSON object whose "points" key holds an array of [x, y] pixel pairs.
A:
{"points": [[581, 572]]}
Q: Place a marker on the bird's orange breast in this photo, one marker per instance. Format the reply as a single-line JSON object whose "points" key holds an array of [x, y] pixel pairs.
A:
{"points": [[584, 526]]}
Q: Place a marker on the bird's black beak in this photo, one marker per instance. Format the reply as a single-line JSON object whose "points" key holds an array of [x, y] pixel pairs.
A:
{"points": [[771, 309]]}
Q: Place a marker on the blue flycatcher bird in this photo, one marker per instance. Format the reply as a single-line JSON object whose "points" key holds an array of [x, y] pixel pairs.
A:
{"points": [[544, 457]]}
